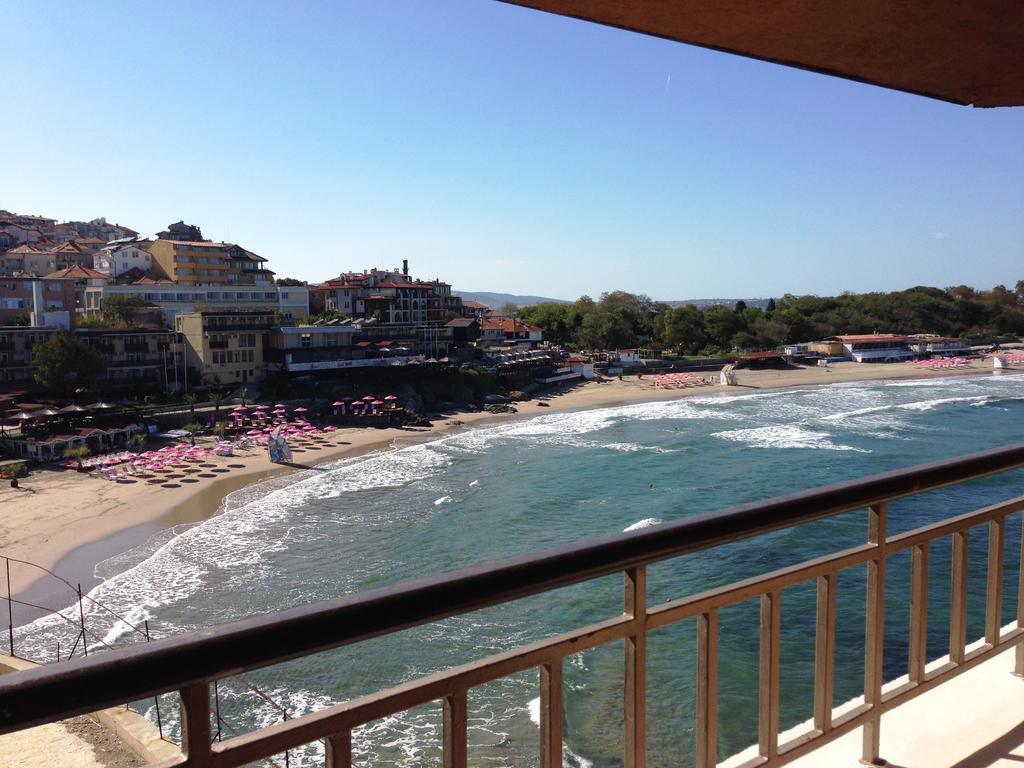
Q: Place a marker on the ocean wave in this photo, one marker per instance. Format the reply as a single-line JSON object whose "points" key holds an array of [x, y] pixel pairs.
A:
{"points": [[785, 436], [647, 522], [636, 448]]}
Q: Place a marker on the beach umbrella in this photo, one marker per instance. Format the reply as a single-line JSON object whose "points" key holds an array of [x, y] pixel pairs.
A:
{"points": [[253, 432], [238, 408], [390, 397], [300, 409], [377, 402], [336, 403], [369, 398]]}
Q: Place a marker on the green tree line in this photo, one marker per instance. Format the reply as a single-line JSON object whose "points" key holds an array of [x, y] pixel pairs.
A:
{"points": [[622, 320]]}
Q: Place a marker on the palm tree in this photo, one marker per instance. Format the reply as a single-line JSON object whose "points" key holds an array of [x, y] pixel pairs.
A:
{"points": [[191, 398], [216, 398], [77, 454], [242, 394]]}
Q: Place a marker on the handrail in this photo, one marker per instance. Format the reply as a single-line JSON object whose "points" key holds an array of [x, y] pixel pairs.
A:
{"points": [[85, 685]]}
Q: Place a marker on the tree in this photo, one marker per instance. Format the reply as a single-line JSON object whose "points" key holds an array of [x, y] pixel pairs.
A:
{"points": [[684, 329], [77, 454], [65, 363], [721, 324], [191, 398], [771, 306], [120, 310], [740, 306], [216, 398], [289, 281]]}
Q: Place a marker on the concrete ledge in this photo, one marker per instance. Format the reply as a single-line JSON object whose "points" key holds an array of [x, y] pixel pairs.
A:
{"points": [[130, 728]]}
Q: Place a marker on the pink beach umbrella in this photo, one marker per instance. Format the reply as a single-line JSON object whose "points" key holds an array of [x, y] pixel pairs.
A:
{"points": [[336, 403], [300, 409]]}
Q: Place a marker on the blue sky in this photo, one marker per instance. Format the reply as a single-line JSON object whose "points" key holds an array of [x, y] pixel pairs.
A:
{"points": [[501, 149]]}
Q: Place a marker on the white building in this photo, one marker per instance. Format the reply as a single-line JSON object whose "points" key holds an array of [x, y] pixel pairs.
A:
{"points": [[117, 258], [292, 302], [876, 347]]}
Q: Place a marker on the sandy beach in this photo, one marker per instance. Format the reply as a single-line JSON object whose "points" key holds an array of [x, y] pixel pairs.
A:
{"points": [[67, 521]]}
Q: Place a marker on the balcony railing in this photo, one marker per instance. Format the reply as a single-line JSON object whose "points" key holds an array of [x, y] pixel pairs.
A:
{"points": [[192, 664]]}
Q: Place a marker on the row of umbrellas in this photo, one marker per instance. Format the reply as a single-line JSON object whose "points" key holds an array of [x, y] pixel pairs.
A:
{"points": [[26, 415]]}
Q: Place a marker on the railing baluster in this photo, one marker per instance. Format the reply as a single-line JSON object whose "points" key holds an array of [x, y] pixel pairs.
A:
{"points": [[455, 747], [339, 751], [195, 724], [994, 588], [635, 699], [825, 652], [768, 689], [1018, 663], [958, 598], [707, 690], [551, 714], [874, 634], [10, 609], [918, 652]]}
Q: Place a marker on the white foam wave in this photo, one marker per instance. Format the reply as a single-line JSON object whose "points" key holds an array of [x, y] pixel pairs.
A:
{"points": [[442, 500], [784, 436], [930, 405], [647, 522], [136, 617], [636, 448]]}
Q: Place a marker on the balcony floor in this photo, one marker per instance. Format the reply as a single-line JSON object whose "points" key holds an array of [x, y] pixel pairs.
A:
{"points": [[975, 720]]}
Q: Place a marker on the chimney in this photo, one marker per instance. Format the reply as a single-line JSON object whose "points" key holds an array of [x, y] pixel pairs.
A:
{"points": [[38, 304], [405, 267]]}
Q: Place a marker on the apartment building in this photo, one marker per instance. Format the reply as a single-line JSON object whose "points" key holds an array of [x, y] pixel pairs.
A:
{"points": [[16, 297], [138, 355], [224, 347], [188, 262], [116, 259], [388, 296], [312, 348], [290, 302], [16, 353], [132, 356]]}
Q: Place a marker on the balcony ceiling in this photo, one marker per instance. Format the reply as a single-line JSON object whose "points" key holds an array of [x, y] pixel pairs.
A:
{"points": [[965, 52]]}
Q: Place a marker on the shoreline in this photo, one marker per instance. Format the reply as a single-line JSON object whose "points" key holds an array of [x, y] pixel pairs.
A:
{"points": [[69, 523]]}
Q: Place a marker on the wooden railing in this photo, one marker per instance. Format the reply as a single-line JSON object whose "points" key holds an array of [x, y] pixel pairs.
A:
{"points": [[191, 663]]}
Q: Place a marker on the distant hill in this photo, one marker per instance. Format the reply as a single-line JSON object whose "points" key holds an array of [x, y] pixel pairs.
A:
{"points": [[498, 300]]}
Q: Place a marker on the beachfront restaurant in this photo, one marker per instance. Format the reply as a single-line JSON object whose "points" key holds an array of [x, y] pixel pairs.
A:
{"points": [[928, 346], [876, 347], [52, 447]]}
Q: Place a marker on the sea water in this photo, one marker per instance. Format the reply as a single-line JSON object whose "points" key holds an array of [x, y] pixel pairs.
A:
{"points": [[554, 480]]}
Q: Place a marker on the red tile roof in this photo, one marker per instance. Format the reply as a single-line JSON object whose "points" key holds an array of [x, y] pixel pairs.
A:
{"points": [[77, 272]]}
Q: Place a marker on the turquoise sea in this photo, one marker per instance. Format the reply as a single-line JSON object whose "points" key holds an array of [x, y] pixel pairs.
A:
{"points": [[554, 480]]}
